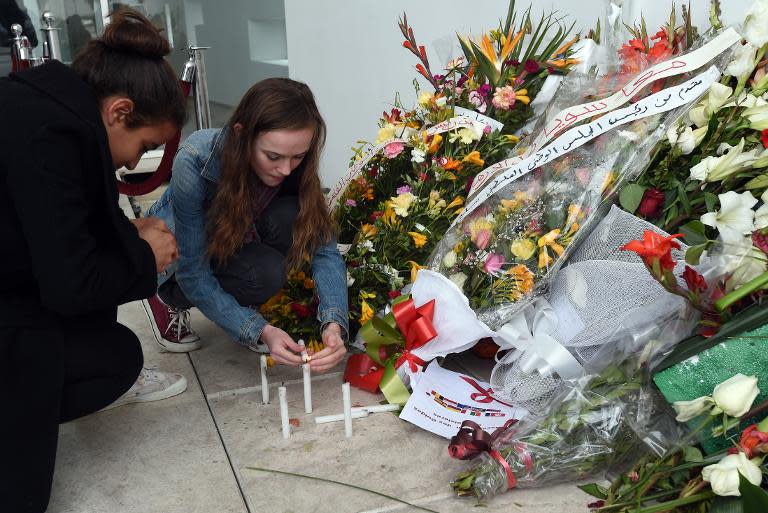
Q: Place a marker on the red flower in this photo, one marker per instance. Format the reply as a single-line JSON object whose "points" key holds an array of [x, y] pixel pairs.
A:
{"points": [[694, 280], [469, 184], [760, 240], [393, 294], [531, 66], [393, 118], [377, 214], [764, 137], [423, 176], [654, 246], [301, 310], [753, 441], [651, 204]]}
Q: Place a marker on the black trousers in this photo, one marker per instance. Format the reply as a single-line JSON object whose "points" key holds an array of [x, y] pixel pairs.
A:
{"points": [[256, 272], [49, 376]]}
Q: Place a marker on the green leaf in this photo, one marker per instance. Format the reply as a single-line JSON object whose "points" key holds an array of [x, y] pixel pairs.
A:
{"points": [[758, 182], [595, 490], [683, 197], [755, 498], [694, 233], [692, 454], [693, 255], [631, 196], [711, 201], [727, 505]]}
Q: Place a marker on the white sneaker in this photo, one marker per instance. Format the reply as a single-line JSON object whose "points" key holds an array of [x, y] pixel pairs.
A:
{"points": [[151, 385]]}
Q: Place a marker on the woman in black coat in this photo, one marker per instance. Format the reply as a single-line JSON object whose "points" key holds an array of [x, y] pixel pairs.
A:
{"points": [[69, 256]]}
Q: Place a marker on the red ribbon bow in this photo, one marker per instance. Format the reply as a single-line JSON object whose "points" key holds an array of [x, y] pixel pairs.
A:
{"points": [[363, 373], [472, 440], [482, 395], [416, 326]]}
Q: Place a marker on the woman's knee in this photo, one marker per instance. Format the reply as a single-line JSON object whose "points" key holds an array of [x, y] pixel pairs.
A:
{"points": [[129, 357], [264, 278]]}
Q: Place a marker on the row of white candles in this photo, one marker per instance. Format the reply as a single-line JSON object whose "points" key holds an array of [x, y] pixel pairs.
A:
{"points": [[347, 416]]}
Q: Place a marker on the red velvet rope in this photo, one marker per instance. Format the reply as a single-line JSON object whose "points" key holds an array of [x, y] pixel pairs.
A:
{"points": [[164, 169]]}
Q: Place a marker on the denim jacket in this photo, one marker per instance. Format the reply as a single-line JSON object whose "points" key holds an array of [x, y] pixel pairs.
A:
{"points": [[183, 207]]}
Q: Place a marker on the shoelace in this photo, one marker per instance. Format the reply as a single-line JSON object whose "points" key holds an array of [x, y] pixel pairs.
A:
{"points": [[147, 375], [179, 324]]}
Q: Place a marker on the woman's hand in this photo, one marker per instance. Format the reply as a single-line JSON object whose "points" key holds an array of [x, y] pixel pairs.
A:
{"points": [[281, 346], [333, 352], [160, 240]]}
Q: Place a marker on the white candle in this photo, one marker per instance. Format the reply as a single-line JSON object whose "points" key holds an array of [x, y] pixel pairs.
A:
{"points": [[281, 393], [347, 410], [378, 408], [307, 388], [339, 417], [264, 384], [304, 354]]}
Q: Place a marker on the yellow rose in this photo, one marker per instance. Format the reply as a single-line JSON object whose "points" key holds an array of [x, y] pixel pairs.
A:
{"points": [[523, 248]]}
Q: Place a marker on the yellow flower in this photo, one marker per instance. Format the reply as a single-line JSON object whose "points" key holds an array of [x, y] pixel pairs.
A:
{"points": [[575, 212], [419, 239], [521, 95], [608, 182], [386, 133], [425, 97], [415, 269], [465, 135], [450, 176], [368, 193], [523, 248], [389, 217], [573, 229], [510, 205], [434, 145], [548, 239], [512, 139], [523, 278], [435, 202], [309, 283], [457, 202], [366, 312], [544, 259], [402, 203], [458, 248], [367, 295], [368, 231], [474, 159]]}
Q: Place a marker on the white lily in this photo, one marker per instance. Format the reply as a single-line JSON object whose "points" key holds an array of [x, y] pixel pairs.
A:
{"points": [[757, 115], [735, 212], [746, 100], [743, 62], [736, 394], [714, 169], [740, 258], [755, 26], [761, 215], [717, 96], [686, 139], [723, 476]]}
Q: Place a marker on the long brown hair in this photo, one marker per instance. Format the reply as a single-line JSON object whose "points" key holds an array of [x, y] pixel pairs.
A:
{"points": [[128, 60], [272, 104]]}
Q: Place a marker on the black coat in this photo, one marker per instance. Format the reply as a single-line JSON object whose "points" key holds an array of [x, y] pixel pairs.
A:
{"points": [[67, 251]]}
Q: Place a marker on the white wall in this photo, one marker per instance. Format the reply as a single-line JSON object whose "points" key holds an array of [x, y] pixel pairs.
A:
{"points": [[350, 51]]}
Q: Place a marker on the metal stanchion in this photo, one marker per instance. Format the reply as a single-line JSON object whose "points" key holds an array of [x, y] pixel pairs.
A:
{"points": [[51, 42], [200, 86]]}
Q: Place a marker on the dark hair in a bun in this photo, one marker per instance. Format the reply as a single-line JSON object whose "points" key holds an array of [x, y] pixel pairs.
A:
{"points": [[128, 60]]}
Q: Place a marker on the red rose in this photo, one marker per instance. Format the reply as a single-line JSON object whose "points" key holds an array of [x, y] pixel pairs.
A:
{"points": [[393, 294], [764, 137], [694, 280], [531, 66], [651, 204], [301, 310]]}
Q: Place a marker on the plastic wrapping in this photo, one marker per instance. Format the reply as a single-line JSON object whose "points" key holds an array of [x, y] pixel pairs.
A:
{"points": [[602, 424], [603, 305]]}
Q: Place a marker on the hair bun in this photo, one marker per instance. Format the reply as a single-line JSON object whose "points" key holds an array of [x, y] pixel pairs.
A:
{"points": [[131, 32]]}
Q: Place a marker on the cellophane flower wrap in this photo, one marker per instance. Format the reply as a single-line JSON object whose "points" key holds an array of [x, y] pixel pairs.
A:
{"points": [[599, 425]]}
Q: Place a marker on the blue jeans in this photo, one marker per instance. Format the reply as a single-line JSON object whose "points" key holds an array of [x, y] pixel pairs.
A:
{"points": [[256, 271]]}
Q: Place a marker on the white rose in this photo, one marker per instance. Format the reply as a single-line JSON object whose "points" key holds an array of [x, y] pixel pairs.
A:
{"points": [[735, 395], [701, 170], [458, 279], [755, 27], [686, 139], [449, 260], [687, 410], [724, 475]]}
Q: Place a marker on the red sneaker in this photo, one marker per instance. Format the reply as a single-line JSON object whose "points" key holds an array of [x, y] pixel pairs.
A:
{"points": [[174, 327]]}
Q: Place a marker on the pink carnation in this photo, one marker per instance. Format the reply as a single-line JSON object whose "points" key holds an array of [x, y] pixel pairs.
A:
{"points": [[394, 149], [493, 263], [350, 203], [504, 98]]}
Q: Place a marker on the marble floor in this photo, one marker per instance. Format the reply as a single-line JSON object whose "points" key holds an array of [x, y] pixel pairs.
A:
{"points": [[197, 452]]}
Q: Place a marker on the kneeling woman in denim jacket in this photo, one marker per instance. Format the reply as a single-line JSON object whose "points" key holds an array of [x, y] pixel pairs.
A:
{"points": [[245, 205]]}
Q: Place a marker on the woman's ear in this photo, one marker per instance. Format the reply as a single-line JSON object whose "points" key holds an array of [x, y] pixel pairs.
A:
{"points": [[116, 110], [237, 128]]}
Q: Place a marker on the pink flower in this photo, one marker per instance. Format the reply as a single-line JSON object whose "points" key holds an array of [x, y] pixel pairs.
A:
{"points": [[394, 149], [487, 129], [531, 66], [477, 100], [482, 238], [403, 189], [493, 263], [350, 203], [504, 98]]}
